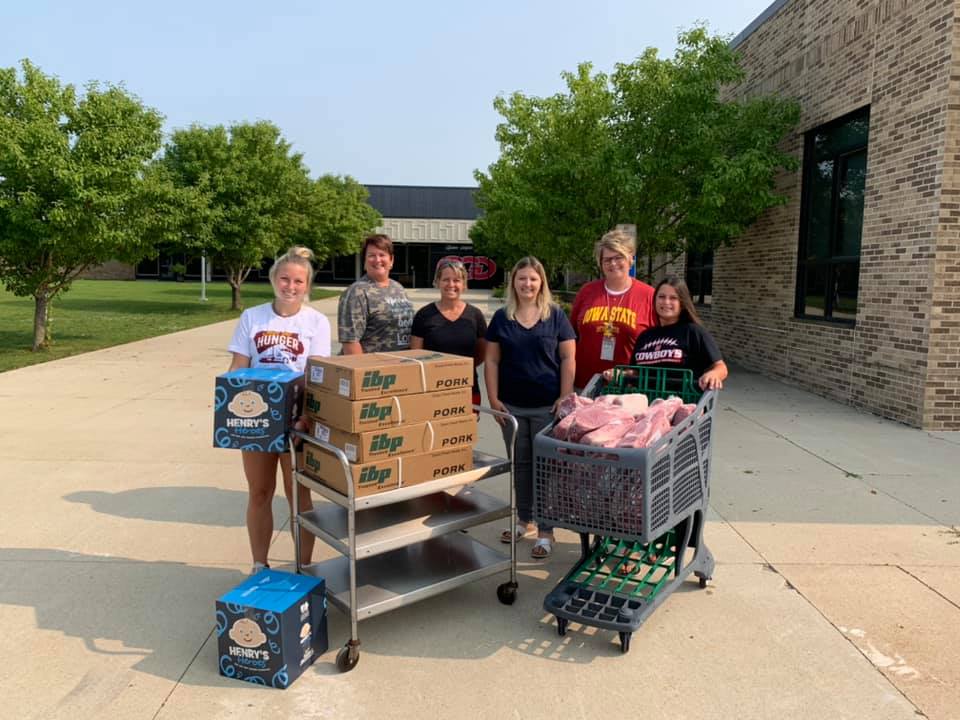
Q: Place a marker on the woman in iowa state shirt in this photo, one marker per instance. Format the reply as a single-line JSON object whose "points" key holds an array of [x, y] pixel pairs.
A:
{"points": [[609, 314]]}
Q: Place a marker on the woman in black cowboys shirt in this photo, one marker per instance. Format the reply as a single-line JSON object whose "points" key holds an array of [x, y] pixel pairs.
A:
{"points": [[679, 340]]}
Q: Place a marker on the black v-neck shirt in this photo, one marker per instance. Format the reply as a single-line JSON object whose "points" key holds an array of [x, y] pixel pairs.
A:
{"points": [[458, 337]]}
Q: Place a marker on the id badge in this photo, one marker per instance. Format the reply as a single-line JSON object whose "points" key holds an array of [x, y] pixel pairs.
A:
{"points": [[606, 348]]}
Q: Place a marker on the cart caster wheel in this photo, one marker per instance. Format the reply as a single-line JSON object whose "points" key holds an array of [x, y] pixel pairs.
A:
{"points": [[507, 593], [347, 658], [625, 642], [562, 626], [703, 582]]}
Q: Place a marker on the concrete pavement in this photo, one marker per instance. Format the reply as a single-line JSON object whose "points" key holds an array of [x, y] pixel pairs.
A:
{"points": [[836, 593]]}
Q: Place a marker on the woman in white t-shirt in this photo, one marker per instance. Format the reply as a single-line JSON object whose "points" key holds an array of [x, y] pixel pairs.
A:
{"points": [[283, 333]]}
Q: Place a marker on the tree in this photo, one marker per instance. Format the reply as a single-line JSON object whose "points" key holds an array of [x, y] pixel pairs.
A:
{"points": [[74, 191], [258, 198], [334, 217], [653, 144]]}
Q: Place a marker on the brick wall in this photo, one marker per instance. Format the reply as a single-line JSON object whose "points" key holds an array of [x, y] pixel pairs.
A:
{"points": [[900, 359]]}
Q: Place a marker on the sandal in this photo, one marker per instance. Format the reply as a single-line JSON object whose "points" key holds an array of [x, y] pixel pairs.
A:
{"points": [[542, 548], [520, 531]]}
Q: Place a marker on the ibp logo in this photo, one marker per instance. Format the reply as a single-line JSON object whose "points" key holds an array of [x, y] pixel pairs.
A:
{"points": [[373, 380], [371, 411], [373, 476]]}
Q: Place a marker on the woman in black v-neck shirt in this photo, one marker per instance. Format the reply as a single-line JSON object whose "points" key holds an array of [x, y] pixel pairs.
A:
{"points": [[451, 325]]}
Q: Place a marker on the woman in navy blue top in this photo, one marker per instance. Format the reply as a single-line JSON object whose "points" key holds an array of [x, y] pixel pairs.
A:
{"points": [[529, 366]]}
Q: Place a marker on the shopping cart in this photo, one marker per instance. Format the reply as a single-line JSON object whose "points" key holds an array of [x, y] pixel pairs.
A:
{"points": [[645, 508]]}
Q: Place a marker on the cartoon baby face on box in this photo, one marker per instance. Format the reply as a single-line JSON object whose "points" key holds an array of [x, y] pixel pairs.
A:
{"points": [[247, 404], [246, 633]]}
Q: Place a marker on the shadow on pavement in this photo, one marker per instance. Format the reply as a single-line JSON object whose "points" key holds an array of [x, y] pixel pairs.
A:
{"points": [[157, 613], [196, 505]]}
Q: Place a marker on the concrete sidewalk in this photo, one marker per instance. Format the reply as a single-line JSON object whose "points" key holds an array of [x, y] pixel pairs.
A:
{"points": [[836, 593]]}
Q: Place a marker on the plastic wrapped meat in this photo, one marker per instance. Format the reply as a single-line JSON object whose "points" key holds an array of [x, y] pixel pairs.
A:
{"points": [[652, 425], [636, 403], [561, 431], [608, 435], [683, 413], [590, 418], [571, 403]]}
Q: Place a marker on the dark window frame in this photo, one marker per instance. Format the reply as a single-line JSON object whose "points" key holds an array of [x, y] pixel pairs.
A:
{"points": [[833, 262], [700, 264]]}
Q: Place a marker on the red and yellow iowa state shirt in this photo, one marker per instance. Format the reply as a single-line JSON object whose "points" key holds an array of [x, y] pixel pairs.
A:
{"points": [[631, 313]]}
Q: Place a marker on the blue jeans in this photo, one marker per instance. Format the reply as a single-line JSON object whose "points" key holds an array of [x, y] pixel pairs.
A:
{"points": [[530, 421]]}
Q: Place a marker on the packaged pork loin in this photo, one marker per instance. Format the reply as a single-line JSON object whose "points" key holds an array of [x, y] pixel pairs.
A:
{"points": [[653, 425], [595, 416], [634, 402], [683, 413], [571, 403]]}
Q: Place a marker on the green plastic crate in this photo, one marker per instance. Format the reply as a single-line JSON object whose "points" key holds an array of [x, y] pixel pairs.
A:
{"points": [[653, 382]]}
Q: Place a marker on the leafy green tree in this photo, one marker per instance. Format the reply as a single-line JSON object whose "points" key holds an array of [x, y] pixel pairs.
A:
{"points": [[74, 186], [654, 144], [334, 216], [259, 198]]}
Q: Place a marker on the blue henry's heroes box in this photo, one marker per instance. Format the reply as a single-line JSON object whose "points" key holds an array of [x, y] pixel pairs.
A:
{"points": [[254, 408], [271, 627]]}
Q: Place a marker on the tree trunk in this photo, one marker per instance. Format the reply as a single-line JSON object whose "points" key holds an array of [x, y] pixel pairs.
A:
{"points": [[235, 292], [41, 335]]}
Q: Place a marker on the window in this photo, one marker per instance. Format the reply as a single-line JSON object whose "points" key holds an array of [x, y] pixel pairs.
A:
{"points": [[700, 276], [835, 171]]}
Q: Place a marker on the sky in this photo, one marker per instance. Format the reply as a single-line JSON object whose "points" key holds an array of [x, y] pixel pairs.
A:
{"points": [[396, 93]]}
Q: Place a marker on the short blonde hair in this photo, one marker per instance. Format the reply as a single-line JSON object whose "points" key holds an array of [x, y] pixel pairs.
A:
{"points": [[618, 241], [457, 266], [544, 297], [297, 255]]}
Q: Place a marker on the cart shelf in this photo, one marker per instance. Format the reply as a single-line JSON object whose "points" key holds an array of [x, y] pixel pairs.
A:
{"points": [[484, 466], [387, 527], [409, 574]]}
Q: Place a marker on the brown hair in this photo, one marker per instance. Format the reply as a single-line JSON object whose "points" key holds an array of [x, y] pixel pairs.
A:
{"points": [[688, 312], [456, 265], [379, 241]]}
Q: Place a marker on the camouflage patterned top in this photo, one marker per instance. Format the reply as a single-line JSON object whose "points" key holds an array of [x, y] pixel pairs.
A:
{"points": [[379, 318]]}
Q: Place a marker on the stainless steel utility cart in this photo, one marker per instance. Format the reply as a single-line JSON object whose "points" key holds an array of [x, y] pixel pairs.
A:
{"points": [[403, 545]]}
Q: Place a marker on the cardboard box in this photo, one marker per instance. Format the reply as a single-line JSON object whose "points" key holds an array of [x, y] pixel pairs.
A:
{"points": [[387, 474], [254, 408], [403, 372], [271, 627], [338, 412], [399, 439]]}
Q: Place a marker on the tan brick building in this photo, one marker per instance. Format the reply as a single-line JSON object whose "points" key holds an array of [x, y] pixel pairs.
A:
{"points": [[852, 288]]}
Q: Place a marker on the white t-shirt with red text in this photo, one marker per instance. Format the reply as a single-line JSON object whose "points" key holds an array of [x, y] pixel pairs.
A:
{"points": [[271, 340]]}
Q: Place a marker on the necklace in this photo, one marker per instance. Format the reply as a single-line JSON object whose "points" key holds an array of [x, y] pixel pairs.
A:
{"points": [[609, 328], [528, 317]]}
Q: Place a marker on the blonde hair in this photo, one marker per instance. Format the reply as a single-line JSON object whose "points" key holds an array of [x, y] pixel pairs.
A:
{"points": [[544, 297], [458, 267], [297, 255], [618, 241]]}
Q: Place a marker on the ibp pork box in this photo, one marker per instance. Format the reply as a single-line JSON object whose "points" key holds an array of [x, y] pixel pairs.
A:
{"points": [[403, 372], [387, 473], [254, 408], [400, 439], [355, 416], [271, 627]]}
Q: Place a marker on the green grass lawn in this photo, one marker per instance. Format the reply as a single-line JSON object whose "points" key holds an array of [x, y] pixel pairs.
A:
{"points": [[96, 314]]}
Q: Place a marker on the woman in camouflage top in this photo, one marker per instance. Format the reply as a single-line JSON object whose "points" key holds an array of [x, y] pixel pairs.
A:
{"points": [[375, 314]]}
